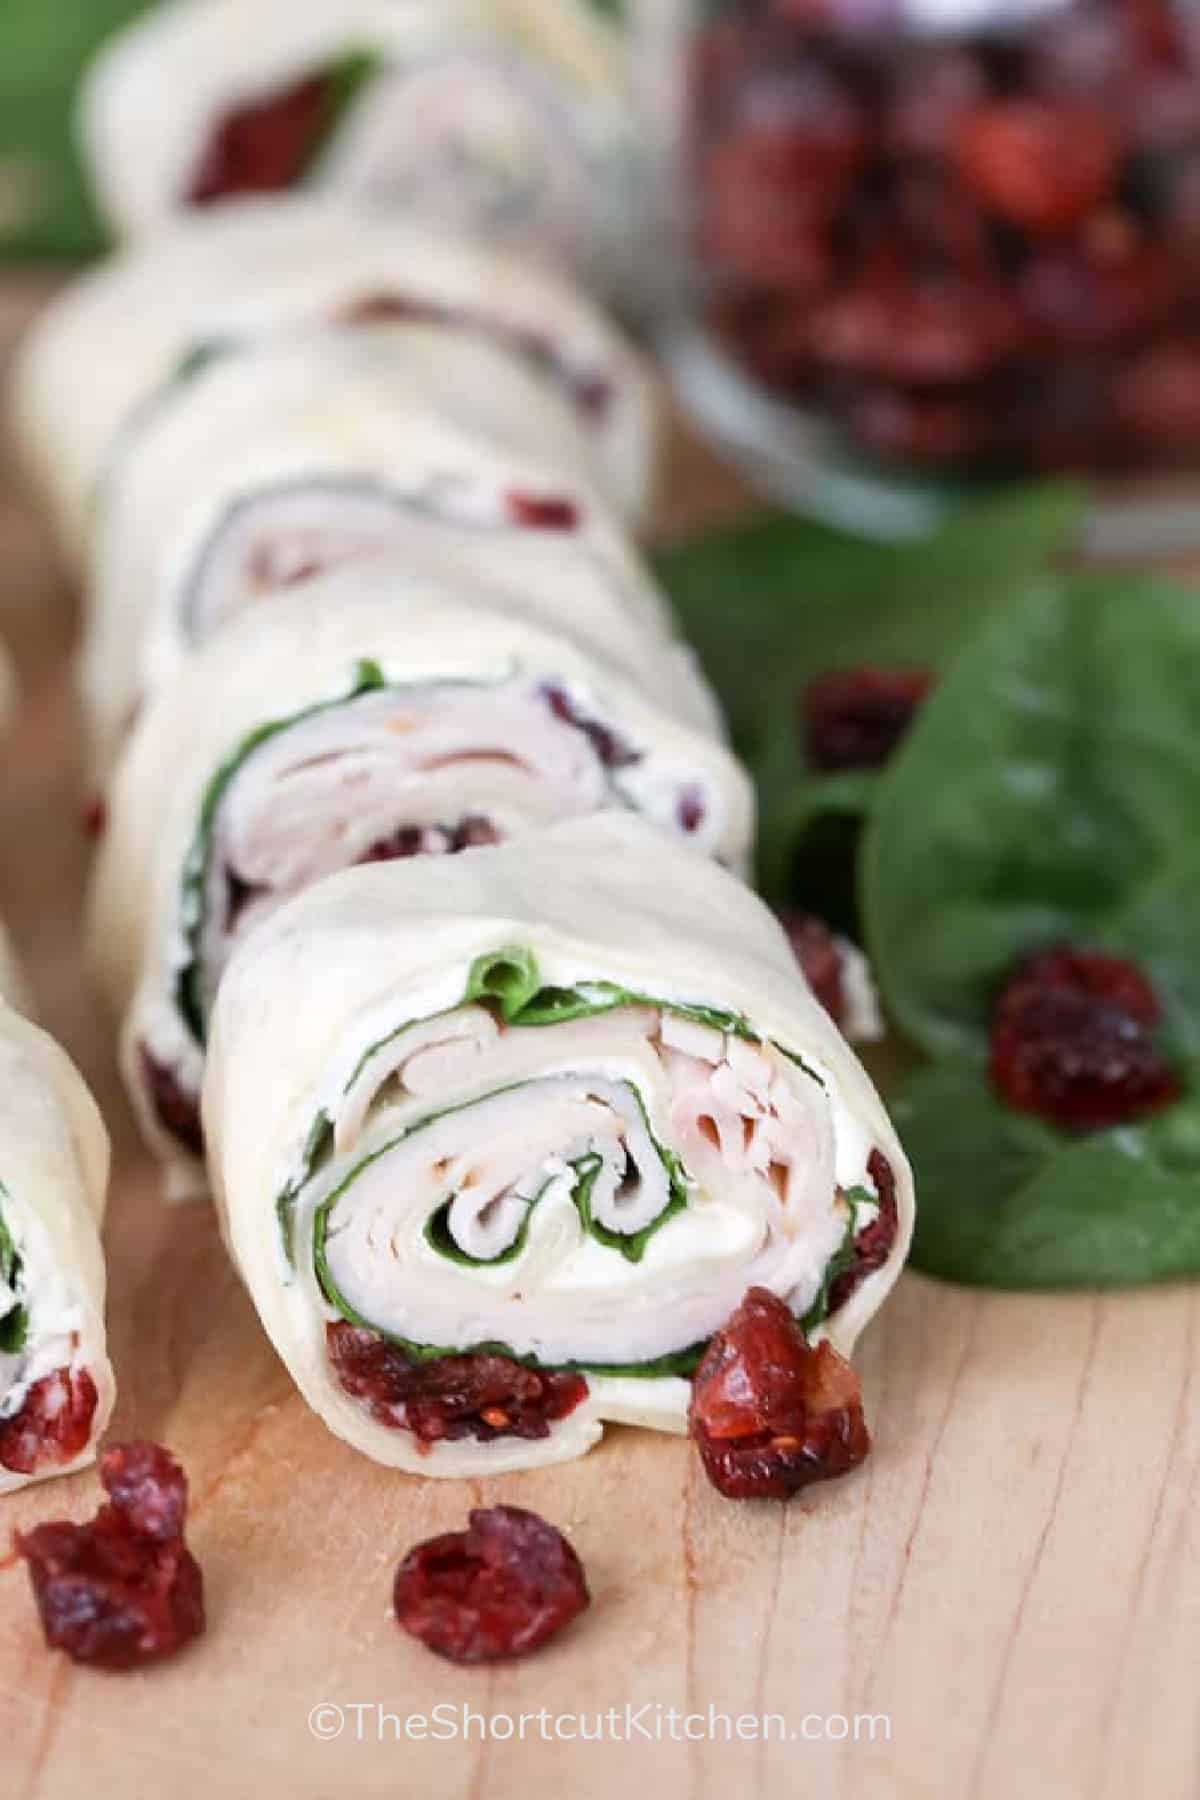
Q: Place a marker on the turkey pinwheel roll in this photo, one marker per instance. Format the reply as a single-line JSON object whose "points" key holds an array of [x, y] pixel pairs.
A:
{"points": [[360, 719], [125, 342], [320, 448], [56, 1382], [500, 1142], [508, 119]]}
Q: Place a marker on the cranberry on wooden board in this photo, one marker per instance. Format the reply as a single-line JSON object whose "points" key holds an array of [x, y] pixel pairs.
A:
{"points": [[124, 1589], [502, 1588], [474, 1395], [1071, 1041], [263, 146], [854, 718], [770, 1412], [52, 1424]]}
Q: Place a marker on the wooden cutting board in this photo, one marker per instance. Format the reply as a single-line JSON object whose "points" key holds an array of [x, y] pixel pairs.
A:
{"points": [[1012, 1581]]}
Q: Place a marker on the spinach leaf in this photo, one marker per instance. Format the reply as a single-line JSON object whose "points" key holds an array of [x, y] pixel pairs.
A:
{"points": [[344, 81], [1007, 1201], [771, 604], [509, 977], [1049, 790], [14, 1326]]}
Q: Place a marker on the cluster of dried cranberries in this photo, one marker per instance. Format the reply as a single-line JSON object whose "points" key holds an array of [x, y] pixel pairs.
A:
{"points": [[124, 1589], [977, 251], [1072, 1041], [474, 1395], [52, 1424]]}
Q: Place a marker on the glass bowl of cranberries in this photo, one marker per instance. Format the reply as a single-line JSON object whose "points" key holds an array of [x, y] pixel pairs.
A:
{"points": [[930, 243]]}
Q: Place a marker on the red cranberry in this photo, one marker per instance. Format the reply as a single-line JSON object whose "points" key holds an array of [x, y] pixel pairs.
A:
{"points": [[176, 1109], [770, 1412], [854, 718], [874, 1243], [1111, 286], [474, 1395], [1071, 1041], [95, 817], [502, 1588], [124, 1589], [1156, 397], [917, 329], [263, 146], [542, 512], [1042, 167], [920, 427], [53, 1423], [816, 950]]}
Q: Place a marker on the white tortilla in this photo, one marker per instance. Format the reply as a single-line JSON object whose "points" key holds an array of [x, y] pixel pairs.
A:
{"points": [[359, 960], [300, 650], [427, 430], [509, 119], [102, 358], [53, 1181]]}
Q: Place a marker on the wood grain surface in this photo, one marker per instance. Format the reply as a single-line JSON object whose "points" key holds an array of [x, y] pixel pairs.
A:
{"points": [[1012, 1580]]}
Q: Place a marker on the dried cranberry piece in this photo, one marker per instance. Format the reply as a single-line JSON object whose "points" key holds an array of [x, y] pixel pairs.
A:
{"points": [[406, 840], [432, 840], [1108, 288], [176, 1109], [502, 1588], [474, 833], [917, 328], [920, 427], [1097, 973], [53, 1423], [474, 1395], [262, 147], [854, 718], [95, 817], [816, 950], [613, 753], [542, 512], [1071, 1042], [770, 1412], [124, 1589], [930, 101], [1042, 166], [1156, 398], [874, 1243]]}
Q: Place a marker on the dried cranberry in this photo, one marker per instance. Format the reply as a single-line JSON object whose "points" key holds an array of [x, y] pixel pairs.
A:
{"points": [[920, 427], [474, 1395], [1071, 1041], [610, 749], [1096, 973], [176, 1109], [124, 1589], [854, 718], [1043, 167], [894, 322], [816, 950], [1088, 296], [95, 817], [264, 146], [1156, 398], [406, 840], [502, 1588], [770, 1412], [542, 512], [474, 833], [876, 1240], [930, 101], [53, 1424]]}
